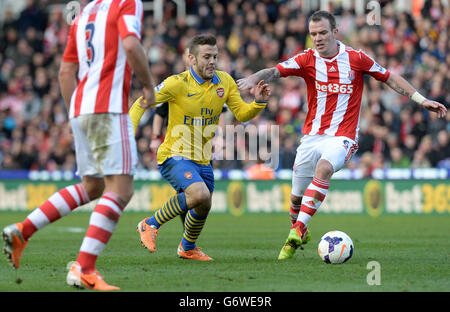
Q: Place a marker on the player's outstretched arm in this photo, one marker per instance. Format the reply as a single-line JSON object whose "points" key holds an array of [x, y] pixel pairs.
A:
{"points": [[403, 87], [267, 75]]}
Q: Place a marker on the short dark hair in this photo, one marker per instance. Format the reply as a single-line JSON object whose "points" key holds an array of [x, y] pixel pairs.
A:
{"points": [[203, 39], [318, 15]]}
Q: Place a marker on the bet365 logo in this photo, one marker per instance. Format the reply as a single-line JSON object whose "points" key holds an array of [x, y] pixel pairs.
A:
{"points": [[334, 87]]}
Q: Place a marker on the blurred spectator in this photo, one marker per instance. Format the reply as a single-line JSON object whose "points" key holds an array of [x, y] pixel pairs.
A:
{"points": [[366, 164], [288, 152], [398, 160], [33, 16], [259, 170], [440, 153], [420, 160], [34, 131], [410, 146]]}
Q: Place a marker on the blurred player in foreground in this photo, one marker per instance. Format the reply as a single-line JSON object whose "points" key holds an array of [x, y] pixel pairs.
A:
{"points": [[334, 75], [196, 98], [104, 140]]}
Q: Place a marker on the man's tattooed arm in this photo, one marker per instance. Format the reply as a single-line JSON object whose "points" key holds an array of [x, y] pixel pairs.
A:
{"points": [[400, 85], [268, 75]]}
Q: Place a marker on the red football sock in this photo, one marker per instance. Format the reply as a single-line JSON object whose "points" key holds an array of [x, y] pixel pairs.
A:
{"points": [[311, 201], [102, 224], [57, 206]]}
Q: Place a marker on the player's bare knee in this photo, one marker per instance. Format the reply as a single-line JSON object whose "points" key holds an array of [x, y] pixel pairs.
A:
{"points": [[126, 196], [324, 169], [204, 204], [202, 199], [198, 196], [94, 189], [296, 200]]}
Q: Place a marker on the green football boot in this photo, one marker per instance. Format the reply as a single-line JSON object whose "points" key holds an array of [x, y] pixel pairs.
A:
{"points": [[294, 241]]}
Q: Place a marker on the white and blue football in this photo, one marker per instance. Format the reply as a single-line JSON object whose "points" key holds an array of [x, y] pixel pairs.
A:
{"points": [[335, 247]]}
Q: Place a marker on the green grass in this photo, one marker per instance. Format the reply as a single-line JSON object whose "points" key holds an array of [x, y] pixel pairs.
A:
{"points": [[413, 252]]}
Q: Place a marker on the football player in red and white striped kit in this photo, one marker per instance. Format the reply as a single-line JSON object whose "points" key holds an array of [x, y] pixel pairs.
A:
{"points": [[334, 75], [103, 49]]}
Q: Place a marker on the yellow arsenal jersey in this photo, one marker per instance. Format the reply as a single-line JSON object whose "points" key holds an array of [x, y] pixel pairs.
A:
{"points": [[195, 106]]}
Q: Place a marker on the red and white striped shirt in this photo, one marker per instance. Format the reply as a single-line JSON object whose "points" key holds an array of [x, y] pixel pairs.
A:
{"points": [[104, 76], [335, 88]]}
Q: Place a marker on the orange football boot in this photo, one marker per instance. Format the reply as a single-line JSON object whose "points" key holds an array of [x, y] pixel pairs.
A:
{"points": [[93, 280], [194, 254], [14, 243], [148, 235]]}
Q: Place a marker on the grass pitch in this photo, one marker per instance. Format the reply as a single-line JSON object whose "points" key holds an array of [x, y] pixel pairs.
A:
{"points": [[413, 253]]}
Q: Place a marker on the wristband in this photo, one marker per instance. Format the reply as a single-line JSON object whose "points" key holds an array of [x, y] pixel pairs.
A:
{"points": [[156, 137], [418, 98], [260, 102]]}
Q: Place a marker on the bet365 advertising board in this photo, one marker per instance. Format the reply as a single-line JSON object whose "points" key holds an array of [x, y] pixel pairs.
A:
{"points": [[373, 197]]}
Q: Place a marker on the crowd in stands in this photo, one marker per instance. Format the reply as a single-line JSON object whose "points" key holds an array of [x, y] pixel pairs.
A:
{"points": [[251, 35]]}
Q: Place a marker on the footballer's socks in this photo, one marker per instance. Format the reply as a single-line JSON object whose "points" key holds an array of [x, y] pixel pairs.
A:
{"points": [[193, 225], [57, 206], [313, 197], [102, 225], [175, 206]]}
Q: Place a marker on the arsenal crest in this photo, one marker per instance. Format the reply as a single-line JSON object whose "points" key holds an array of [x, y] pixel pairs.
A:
{"points": [[220, 92]]}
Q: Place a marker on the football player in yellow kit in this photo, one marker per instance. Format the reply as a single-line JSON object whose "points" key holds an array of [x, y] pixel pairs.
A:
{"points": [[196, 98]]}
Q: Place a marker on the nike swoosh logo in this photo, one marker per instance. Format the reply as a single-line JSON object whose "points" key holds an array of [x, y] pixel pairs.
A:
{"points": [[91, 285], [342, 250], [189, 95]]}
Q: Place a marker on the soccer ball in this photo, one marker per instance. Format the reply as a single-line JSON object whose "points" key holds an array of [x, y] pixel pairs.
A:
{"points": [[335, 247]]}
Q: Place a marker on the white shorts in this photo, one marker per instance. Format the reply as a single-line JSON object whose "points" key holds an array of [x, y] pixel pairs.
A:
{"points": [[104, 144], [337, 150]]}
